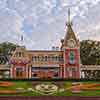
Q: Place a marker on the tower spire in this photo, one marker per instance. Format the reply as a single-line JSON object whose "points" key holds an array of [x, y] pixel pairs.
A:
{"points": [[69, 15], [70, 33], [69, 18]]}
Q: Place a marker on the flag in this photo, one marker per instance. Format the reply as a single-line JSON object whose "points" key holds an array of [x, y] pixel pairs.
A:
{"points": [[22, 38]]}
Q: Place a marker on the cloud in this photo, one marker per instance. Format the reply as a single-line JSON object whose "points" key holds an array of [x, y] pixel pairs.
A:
{"points": [[42, 22]]}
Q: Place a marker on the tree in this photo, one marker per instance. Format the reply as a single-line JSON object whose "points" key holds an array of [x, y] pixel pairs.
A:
{"points": [[90, 52], [6, 51]]}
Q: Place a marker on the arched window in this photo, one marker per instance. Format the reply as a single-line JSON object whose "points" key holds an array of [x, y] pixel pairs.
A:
{"points": [[72, 57], [20, 54], [45, 58], [35, 58], [17, 55], [38, 58]]}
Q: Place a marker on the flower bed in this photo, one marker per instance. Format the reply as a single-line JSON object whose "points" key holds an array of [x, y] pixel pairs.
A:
{"points": [[13, 91], [46, 89], [76, 83], [6, 84], [84, 87]]}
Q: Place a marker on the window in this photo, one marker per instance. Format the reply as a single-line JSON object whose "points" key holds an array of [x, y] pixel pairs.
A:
{"points": [[56, 72], [45, 69], [35, 58], [16, 54], [20, 55], [41, 58], [48, 58], [34, 72], [55, 58], [45, 58], [72, 57], [71, 69], [60, 58], [19, 69]]}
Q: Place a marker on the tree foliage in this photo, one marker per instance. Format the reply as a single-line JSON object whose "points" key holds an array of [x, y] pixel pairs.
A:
{"points": [[6, 51], [90, 52]]}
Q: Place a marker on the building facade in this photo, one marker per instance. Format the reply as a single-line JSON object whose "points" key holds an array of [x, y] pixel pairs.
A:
{"points": [[63, 63], [54, 64]]}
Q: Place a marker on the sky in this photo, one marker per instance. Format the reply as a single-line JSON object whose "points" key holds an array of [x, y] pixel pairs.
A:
{"points": [[42, 22]]}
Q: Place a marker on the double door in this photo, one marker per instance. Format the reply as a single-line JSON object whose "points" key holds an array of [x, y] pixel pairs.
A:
{"points": [[19, 72]]}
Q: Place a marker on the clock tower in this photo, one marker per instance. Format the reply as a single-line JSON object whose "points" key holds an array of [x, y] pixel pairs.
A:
{"points": [[71, 52]]}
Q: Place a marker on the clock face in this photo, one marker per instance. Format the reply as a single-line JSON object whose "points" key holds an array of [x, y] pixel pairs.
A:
{"points": [[71, 43]]}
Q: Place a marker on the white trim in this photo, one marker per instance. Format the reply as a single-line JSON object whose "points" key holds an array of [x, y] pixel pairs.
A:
{"points": [[64, 64], [30, 72], [26, 70], [11, 71], [37, 65], [79, 63]]}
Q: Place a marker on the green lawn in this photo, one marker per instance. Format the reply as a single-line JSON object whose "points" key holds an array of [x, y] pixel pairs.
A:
{"points": [[25, 85]]}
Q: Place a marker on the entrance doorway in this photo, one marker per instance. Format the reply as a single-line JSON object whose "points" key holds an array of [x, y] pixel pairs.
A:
{"points": [[19, 72], [45, 72], [72, 72]]}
